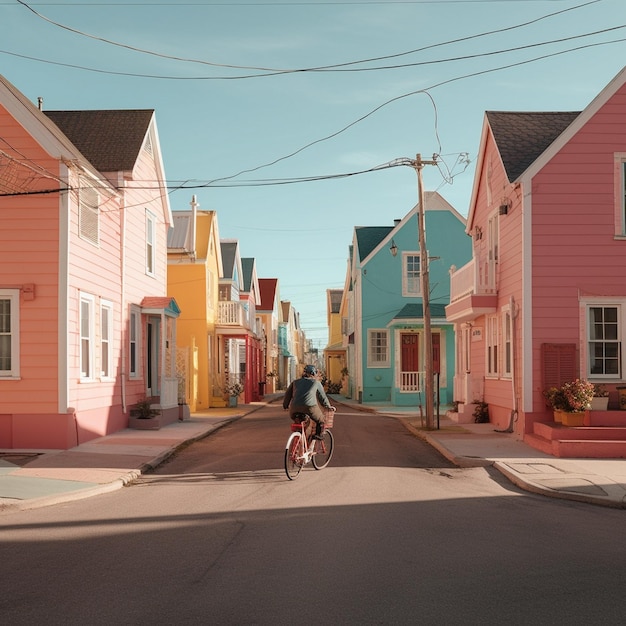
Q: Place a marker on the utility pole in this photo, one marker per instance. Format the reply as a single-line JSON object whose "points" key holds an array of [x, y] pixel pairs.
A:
{"points": [[429, 390]]}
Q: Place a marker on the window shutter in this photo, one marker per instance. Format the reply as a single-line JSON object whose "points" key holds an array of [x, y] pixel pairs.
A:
{"points": [[559, 363]]}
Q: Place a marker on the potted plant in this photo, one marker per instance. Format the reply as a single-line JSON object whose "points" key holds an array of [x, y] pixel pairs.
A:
{"points": [[600, 400], [570, 402], [234, 389], [143, 416], [481, 412]]}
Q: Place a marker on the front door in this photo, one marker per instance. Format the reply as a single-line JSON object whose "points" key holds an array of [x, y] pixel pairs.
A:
{"points": [[409, 361], [153, 344]]}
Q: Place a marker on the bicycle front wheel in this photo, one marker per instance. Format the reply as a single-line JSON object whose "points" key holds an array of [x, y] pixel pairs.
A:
{"points": [[323, 450], [294, 457]]}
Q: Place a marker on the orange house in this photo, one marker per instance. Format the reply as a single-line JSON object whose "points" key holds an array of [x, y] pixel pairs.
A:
{"points": [[86, 327]]}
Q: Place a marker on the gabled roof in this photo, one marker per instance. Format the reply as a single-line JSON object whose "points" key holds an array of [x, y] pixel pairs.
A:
{"points": [[522, 137], [110, 140], [179, 235], [267, 287], [334, 300], [368, 237], [247, 267], [229, 252]]}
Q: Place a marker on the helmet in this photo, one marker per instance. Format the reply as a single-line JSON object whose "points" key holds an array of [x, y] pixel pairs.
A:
{"points": [[309, 370]]}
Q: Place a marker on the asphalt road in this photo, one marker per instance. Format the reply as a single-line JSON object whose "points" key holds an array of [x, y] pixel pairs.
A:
{"points": [[388, 533]]}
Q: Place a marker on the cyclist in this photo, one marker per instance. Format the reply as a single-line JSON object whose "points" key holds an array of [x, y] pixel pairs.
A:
{"points": [[305, 395]]}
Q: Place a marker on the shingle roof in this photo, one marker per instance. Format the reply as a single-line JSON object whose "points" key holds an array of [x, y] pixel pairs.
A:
{"points": [[368, 237], [415, 310], [110, 140], [521, 137]]}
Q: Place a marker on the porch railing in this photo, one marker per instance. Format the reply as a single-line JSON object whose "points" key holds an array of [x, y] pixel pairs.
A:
{"points": [[411, 381]]}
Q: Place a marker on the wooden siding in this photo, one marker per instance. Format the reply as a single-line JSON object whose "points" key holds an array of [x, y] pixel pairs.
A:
{"points": [[574, 248]]}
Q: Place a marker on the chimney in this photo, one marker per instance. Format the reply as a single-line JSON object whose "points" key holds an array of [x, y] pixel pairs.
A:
{"points": [[40, 103]]}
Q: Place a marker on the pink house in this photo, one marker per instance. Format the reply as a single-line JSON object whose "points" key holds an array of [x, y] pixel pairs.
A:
{"points": [[543, 299], [86, 327]]}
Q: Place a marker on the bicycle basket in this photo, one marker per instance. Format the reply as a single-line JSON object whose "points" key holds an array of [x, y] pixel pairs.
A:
{"points": [[330, 417]]}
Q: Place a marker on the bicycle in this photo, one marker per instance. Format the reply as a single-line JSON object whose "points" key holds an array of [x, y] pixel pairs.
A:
{"points": [[302, 449]]}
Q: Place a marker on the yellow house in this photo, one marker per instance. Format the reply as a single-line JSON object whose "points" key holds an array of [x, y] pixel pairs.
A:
{"points": [[194, 266], [335, 353]]}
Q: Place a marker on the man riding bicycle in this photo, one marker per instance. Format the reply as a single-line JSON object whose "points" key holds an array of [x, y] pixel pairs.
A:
{"points": [[305, 395]]}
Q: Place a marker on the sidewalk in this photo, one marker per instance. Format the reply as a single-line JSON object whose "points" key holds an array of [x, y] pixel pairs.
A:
{"points": [[110, 462]]}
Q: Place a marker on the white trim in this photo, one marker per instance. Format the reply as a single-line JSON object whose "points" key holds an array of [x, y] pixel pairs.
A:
{"points": [[137, 327], [63, 307], [405, 278], [13, 296], [106, 305], [87, 373], [371, 364]]}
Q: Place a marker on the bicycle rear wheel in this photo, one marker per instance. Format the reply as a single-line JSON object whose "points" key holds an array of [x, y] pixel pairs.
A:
{"points": [[323, 450], [294, 459]]}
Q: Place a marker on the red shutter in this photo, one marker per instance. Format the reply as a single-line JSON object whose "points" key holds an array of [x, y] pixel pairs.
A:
{"points": [[559, 363]]}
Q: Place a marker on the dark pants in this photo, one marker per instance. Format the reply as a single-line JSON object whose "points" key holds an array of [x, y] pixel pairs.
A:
{"points": [[314, 412]]}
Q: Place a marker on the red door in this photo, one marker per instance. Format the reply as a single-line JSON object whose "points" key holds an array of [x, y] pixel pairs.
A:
{"points": [[410, 353]]}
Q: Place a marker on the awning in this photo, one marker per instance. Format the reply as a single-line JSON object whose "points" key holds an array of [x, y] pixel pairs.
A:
{"points": [[160, 305]]}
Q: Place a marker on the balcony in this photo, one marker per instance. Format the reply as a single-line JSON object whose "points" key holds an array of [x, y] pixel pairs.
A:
{"points": [[473, 291], [232, 313]]}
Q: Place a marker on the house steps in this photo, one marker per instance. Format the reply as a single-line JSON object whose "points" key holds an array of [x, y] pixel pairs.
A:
{"points": [[602, 437]]}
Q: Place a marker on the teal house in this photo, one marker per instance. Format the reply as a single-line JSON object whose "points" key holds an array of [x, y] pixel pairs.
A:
{"points": [[384, 327]]}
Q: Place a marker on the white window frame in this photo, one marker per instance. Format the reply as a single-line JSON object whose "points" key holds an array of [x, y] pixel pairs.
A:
{"points": [[106, 339], [507, 343], [620, 308], [12, 297], [150, 244], [86, 336], [378, 355], [134, 342], [411, 279], [492, 346]]}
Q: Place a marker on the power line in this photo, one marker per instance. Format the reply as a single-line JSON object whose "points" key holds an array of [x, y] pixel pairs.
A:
{"points": [[270, 71]]}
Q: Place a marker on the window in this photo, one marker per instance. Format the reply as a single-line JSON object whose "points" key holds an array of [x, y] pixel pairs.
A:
{"points": [[378, 348], [411, 274], [134, 335], [604, 341], [492, 345], [86, 336], [88, 213], [9, 333], [106, 321], [150, 243], [507, 344]]}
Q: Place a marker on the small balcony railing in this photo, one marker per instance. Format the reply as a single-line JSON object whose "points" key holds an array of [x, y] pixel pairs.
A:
{"points": [[474, 278]]}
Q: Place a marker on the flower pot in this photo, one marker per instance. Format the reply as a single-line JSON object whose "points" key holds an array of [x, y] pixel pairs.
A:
{"points": [[573, 419], [599, 404], [232, 401]]}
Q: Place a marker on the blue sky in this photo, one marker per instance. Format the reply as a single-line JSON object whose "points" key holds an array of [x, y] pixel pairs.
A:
{"points": [[192, 62]]}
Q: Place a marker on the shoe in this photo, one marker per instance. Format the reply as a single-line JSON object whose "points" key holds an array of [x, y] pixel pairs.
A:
{"points": [[318, 437]]}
